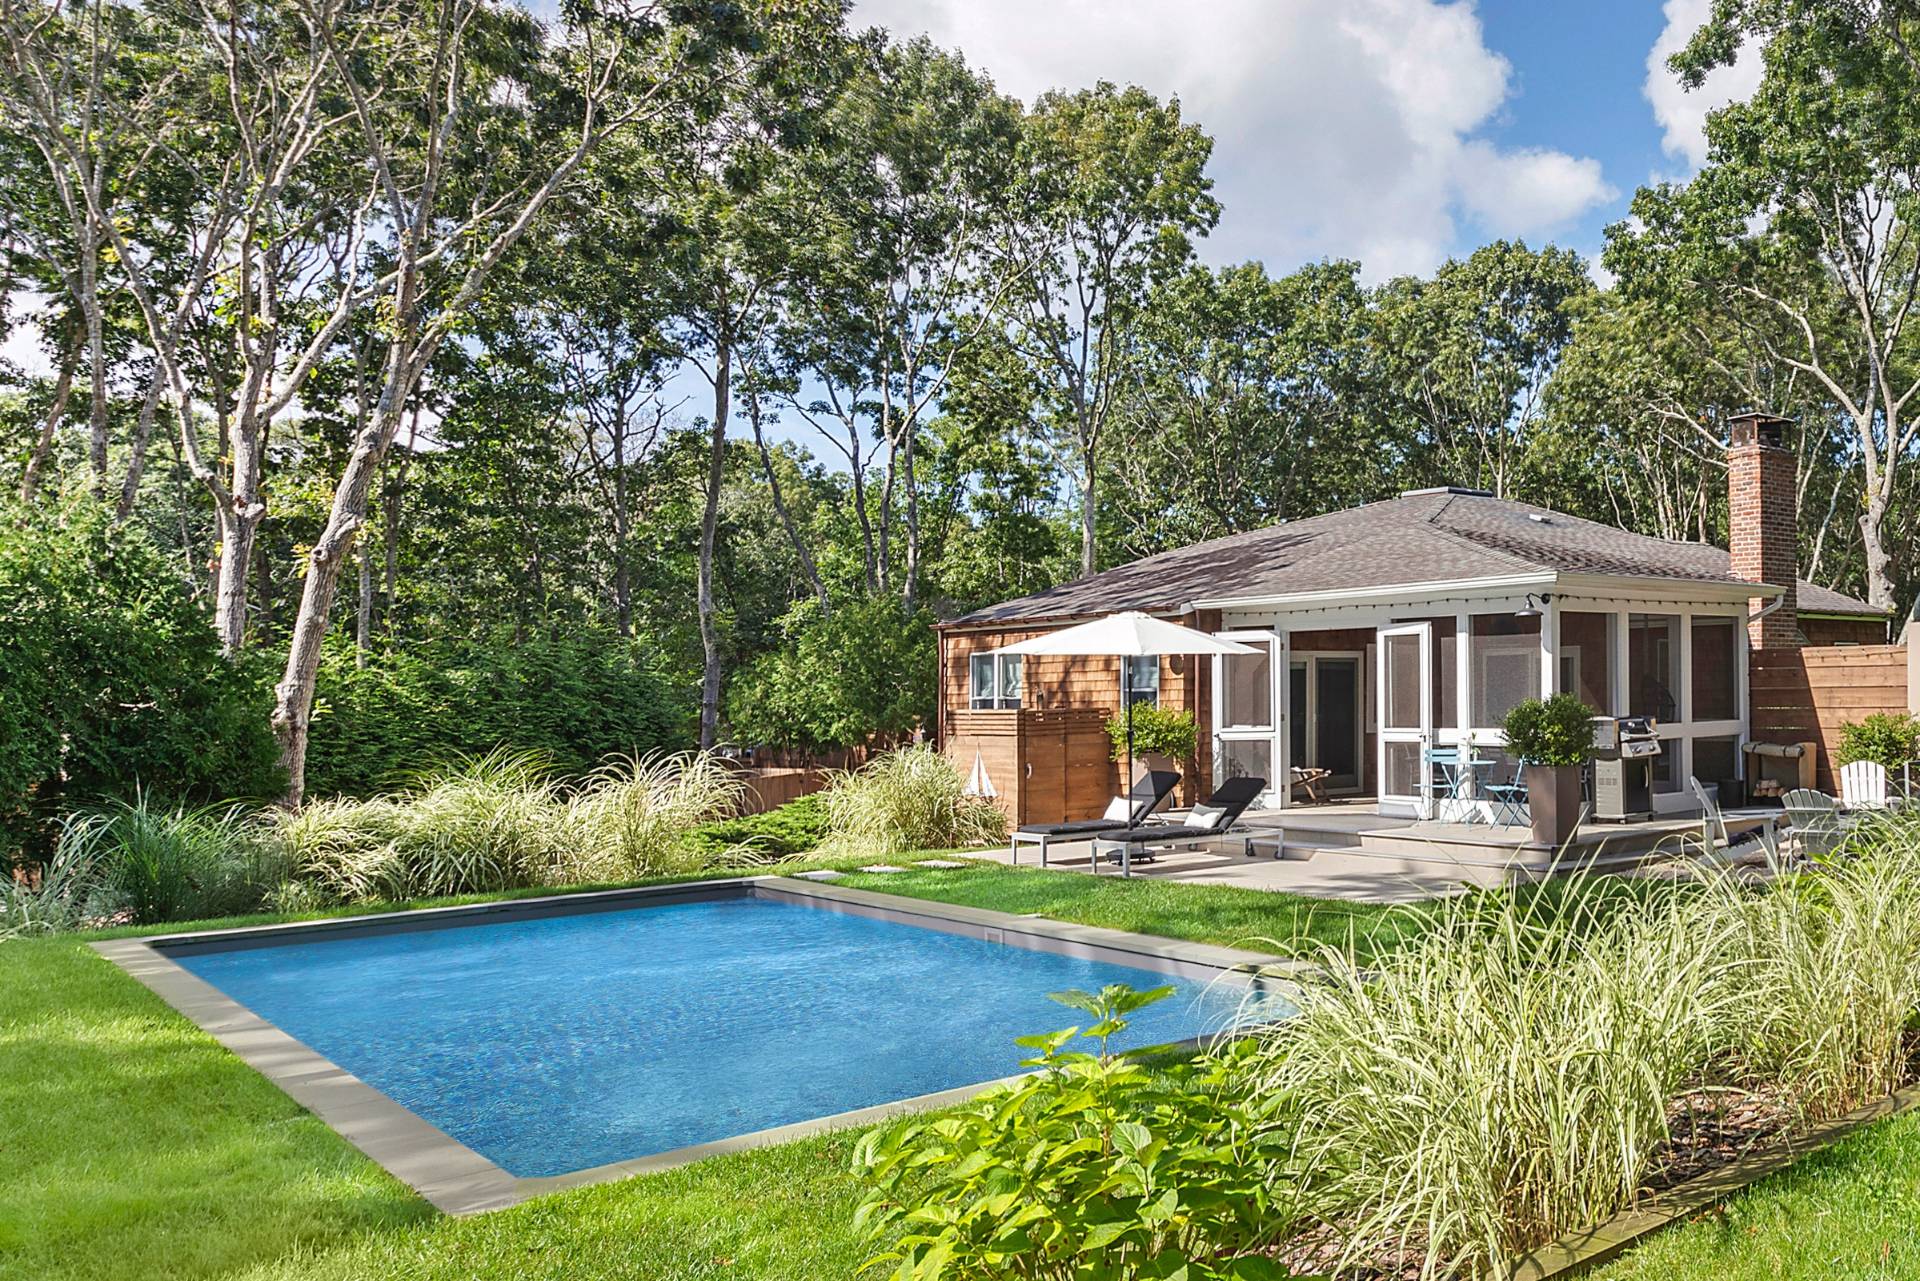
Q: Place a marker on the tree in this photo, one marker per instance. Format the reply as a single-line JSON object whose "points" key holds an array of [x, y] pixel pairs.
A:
{"points": [[1471, 351], [456, 197], [1249, 400], [915, 168], [1114, 184], [1801, 230]]}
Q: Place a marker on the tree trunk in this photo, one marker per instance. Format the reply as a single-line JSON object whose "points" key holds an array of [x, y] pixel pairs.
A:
{"points": [[238, 528], [709, 531], [137, 455], [363, 615], [293, 696], [622, 578], [49, 426], [1087, 512], [96, 358], [909, 588], [1879, 560], [800, 549]]}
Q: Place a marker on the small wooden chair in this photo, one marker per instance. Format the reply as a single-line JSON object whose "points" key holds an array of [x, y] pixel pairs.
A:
{"points": [[1308, 780]]}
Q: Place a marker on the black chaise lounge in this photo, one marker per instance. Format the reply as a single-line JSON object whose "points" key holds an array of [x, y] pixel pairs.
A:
{"points": [[1126, 811], [1207, 821]]}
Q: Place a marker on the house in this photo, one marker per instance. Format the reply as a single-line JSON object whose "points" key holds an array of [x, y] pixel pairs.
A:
{"points": [[1413, 622]]}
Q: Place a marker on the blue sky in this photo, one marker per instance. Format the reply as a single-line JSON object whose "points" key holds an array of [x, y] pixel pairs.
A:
{"points": [[1396, 132]]}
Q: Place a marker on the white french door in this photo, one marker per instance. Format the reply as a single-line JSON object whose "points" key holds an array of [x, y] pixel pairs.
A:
{"points": [[1406, 719], [1250, 714]]}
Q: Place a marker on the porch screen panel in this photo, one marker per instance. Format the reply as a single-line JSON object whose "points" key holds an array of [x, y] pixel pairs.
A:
{"points": [[1586, 658], [1653, 666], [1247, 699], [1403, 682], [1714, 760], [1446, 668], [1716, 681], [1504, 664], [1403, 769], [1244, 758]]}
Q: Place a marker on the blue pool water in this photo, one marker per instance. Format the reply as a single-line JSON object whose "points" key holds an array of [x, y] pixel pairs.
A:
{"points": [[556, 1044]]}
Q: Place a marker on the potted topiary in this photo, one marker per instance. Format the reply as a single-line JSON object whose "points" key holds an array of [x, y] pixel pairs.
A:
{"points": [[1162, 737], [1553, 739]]}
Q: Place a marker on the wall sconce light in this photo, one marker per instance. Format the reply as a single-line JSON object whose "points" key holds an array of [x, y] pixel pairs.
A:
{"points": [[1534, 606]]}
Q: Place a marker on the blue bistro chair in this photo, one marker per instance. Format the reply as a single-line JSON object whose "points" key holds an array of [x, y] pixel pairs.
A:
{"points": [[1508, 799], [1445, 765]]}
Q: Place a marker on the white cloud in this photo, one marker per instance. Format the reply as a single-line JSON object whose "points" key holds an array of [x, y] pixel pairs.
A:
{"points": [[1682, 115], [1342, 128]]}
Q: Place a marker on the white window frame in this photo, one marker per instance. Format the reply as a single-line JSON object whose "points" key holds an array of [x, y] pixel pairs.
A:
{"points": [[1000, 701]]}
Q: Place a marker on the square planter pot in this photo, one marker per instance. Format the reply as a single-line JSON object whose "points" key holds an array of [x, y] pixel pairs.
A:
{"points": [[1553, 803]]}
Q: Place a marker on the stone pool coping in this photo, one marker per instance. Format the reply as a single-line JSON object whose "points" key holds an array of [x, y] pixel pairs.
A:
{"points": [[458, 1180]]}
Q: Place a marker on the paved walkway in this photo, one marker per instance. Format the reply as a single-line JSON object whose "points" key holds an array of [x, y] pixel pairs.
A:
{"points": [[1326, 875]]}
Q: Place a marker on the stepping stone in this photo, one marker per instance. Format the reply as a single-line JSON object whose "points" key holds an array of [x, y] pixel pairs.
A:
{"points": [[881, 868], [824, 874], [939, 862]]}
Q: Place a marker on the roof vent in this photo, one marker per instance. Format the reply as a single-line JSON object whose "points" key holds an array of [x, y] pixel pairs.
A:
{"points": [[1447, 489], [1539, 518]]}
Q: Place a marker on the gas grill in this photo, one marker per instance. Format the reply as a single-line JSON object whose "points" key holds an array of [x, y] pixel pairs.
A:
{"points": [[1624, 749]]}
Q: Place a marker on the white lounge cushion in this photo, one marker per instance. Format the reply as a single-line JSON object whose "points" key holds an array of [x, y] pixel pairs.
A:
{"points": [[1119, 810], [1206, 816]]}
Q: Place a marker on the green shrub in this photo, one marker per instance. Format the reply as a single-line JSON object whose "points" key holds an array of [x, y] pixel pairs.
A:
{"points": [[637, 816], [1161, 730], [798, 827], [1553, 731], [866, 671], [1507, 1076], [911, 799], [1096, 1167], [574, 699], [111, 678], [1891, 739], [175, 864]]}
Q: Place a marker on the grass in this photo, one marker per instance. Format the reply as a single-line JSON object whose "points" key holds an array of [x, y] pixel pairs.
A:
{"points": [[1846, 1212], [1222, 914], [132, 1146]]}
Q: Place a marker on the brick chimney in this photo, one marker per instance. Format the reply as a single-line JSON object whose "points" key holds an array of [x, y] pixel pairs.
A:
{"points": [[1763, 520]]}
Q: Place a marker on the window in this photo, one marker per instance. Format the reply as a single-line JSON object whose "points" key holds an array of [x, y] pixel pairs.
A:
{"points": [[1246, 702], [995, 680], [1145, 679], [1653, 666], [1716, 682], [1586, 658], [1505, 662]]}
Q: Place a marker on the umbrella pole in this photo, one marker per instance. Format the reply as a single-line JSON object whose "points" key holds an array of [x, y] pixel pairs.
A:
{"points": [[1126, 710]]}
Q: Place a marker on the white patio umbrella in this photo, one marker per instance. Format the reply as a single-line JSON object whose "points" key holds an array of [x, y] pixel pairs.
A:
{"points": [[1131, 634]]}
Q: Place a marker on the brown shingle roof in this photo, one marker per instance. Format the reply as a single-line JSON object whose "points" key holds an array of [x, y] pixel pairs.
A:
{"points": [[1426, 536]]}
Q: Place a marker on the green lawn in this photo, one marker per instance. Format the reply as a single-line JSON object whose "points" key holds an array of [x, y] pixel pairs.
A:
{"points": [[133, 1147], [1257, 919]]}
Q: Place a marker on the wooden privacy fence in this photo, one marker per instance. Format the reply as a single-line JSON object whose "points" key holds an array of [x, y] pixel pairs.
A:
{"points": [[771, 788], [1045, 765], [1806, 695]]}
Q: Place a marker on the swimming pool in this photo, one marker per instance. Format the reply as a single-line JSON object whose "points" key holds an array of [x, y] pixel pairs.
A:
{"points": [[558, 1039]]}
